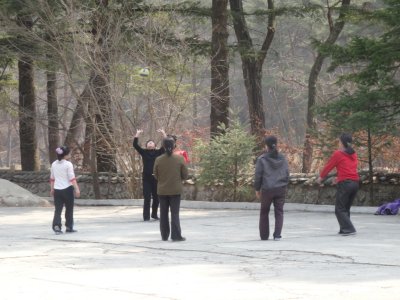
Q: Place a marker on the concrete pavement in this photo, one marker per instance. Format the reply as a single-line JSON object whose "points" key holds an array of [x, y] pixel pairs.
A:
{"points": [[117, 256]]}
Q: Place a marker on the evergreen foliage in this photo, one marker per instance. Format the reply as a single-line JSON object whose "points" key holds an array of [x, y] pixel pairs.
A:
{"points": [[227, 159], [375, 105]]}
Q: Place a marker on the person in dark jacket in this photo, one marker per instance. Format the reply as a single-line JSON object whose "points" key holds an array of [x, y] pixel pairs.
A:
{"points": [[345, 161], [170, 170], [271, 180], [149, 155]]}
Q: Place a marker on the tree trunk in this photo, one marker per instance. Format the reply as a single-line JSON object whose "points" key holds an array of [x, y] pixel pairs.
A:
{"points": [[252, 62], [27, 106], [219, 67], [9, 141], [195, 98], [252, 81], [103, 132], [52, 114], [334, 33], [27, 116], [78, 118], [370, 166], [94, 168], [100, 89]]}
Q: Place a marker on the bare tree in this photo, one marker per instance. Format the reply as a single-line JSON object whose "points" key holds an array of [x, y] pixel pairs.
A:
{"points": [[252, 62]]}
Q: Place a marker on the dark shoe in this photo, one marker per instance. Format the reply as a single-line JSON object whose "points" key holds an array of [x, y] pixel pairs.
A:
{"points": [[165, 240], [155, 218], [70, 230], [347, 233], [57, 230], [181, 239], [145, 220]]}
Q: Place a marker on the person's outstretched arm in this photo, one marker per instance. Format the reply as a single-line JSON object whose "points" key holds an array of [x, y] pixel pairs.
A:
{"points": [[329, 166]]}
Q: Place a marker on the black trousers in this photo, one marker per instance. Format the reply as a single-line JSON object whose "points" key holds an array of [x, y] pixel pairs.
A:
{"points": [[149, 191], [277, 197], [61, 198], [345, 195], [167, 202]]}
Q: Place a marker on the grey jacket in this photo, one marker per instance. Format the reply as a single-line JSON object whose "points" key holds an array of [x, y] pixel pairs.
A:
{"points": [[271, 172]]}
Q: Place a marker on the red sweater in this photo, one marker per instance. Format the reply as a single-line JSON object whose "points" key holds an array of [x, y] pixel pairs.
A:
{"points": [[346, 166], [183, 153]]}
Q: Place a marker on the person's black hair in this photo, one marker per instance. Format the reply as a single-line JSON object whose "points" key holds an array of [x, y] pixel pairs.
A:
{"points": [[174, 137], [272, 143], [62, 151], [169, 145], [148, 141], [347, 140]]}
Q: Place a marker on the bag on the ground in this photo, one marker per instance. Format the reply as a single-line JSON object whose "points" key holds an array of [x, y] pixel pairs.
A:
{"points": [[391, 208]]}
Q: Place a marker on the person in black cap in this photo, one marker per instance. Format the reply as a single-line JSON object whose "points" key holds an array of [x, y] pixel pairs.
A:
{"points": [[345, 161], [271, 179], [149, 155]]}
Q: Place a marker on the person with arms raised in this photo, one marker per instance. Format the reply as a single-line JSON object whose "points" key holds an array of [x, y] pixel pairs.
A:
{"points": [[149, 155]]}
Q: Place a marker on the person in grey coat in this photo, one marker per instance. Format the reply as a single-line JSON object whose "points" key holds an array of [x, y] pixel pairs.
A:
{"points": [[271, 180]]}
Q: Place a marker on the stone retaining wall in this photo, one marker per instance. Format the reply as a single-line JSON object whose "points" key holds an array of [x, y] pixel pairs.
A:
{"points": [[302, 188]]}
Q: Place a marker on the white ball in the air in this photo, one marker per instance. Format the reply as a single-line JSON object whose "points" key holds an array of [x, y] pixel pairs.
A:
{"points": [[144, 72]]}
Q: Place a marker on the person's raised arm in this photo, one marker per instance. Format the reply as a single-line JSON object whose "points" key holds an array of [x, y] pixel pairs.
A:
{"points": [[162, 131], [136, 142], [161, 150]]}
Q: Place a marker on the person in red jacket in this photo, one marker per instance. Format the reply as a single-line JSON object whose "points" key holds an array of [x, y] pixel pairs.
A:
{"points": [[179, 151], [345, 161]]}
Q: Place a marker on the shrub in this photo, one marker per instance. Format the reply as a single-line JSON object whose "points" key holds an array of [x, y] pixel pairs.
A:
{"points": [[228, 160]]}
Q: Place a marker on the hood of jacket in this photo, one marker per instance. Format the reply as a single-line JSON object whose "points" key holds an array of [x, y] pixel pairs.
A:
{"points": [[275, 162], [351, 155]]}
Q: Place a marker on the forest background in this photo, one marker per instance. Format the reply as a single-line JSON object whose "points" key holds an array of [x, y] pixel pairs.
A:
{"points": [[71, 72]]}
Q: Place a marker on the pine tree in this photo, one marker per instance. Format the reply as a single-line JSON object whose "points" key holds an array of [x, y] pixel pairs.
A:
{"points": [[375, 105], [228, 159]]}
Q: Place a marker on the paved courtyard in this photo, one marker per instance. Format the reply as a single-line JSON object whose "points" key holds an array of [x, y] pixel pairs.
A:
{"points": [[117, 256]]}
